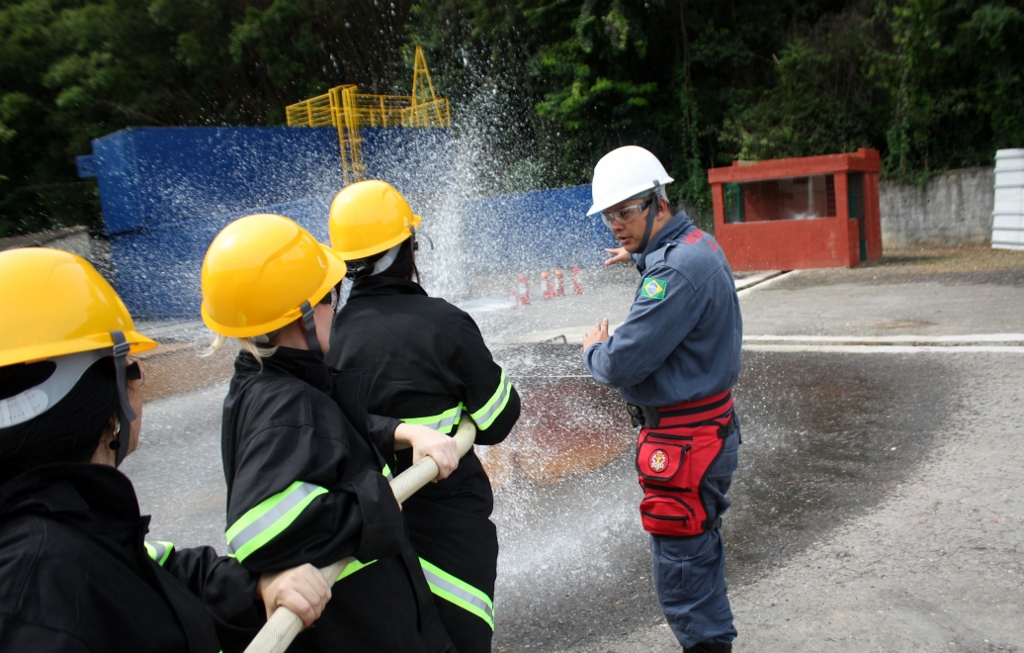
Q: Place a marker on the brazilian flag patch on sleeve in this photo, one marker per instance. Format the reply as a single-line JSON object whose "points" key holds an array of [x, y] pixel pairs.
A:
{"points": [[654, 288]]}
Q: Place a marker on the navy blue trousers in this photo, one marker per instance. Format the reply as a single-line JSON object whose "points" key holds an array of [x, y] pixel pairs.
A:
{"points": [[689, 572]]}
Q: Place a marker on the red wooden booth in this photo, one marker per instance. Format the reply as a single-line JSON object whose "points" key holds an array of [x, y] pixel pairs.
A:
{"points": [[808, 212]]}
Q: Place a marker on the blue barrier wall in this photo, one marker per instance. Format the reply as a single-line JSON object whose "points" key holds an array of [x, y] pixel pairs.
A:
{"points": [[534, 231], [411, 160], [155, 177], [157, 271], [167, 192]]}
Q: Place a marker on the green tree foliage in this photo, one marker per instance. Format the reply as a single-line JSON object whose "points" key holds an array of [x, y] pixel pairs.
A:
{"points": [[953, 75], [74, 70], [479, 53], [601, 73], [933, 84], [820, 101], [550, 84]]}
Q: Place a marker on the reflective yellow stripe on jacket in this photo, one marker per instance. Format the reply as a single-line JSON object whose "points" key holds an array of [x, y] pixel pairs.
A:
{"points": [[159, 551], [447, 421], [459, 592], [274, 514], [269, 518], [352, 568], [490, 410], [444, 422]]}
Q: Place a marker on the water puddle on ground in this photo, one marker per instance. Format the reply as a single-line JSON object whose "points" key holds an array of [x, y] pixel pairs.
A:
{"points": [[826, 437]]}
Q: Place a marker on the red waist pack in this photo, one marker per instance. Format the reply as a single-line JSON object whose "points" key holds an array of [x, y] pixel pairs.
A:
{"points": [[671, 463]]}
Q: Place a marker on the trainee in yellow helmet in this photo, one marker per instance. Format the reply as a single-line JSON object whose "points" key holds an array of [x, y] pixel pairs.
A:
{"points": [[75, 569], [370, 217], [263, 272], [304, 481], [58, 309]]}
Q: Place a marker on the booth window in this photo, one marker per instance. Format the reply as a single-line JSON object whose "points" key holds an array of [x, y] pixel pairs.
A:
{"points": [[733, 203], [791, 198]]}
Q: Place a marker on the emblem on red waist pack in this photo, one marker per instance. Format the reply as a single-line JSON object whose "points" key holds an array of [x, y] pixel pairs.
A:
{"points": [[658, 460]]}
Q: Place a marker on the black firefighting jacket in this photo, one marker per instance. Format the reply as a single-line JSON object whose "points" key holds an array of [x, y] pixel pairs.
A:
{"points": [[429, 365], [77, 576], [306, 483]]}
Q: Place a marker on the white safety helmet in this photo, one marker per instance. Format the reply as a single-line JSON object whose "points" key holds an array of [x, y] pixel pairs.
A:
{"points": [[623, 173]]}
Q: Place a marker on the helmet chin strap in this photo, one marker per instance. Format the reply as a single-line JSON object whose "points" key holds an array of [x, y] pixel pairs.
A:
{"points": [[652, 213], [307, 321], [416, 248], [125, 413]]}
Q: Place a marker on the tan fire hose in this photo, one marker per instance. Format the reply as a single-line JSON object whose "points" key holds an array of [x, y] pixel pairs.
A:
{"points": [[282, 627]]}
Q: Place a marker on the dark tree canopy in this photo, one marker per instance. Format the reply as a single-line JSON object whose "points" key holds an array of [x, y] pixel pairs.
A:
{"points": [[551, 84]]}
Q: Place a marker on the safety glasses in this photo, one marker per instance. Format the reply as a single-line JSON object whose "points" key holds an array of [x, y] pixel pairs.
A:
{"points": [[626, 214]]}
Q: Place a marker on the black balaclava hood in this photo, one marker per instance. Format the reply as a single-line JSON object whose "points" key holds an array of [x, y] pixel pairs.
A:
{"points": [[70, 430], [403, 267]]}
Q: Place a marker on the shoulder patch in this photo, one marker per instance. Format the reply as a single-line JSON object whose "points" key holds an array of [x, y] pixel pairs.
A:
{"points": [[654, 288], [693, 237]]}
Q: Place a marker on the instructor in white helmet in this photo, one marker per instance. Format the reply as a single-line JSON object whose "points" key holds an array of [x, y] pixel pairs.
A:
{"points": [[674, 360]]}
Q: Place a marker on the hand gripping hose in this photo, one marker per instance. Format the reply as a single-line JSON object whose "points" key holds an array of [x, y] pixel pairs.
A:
{"points": [[282, 627]]}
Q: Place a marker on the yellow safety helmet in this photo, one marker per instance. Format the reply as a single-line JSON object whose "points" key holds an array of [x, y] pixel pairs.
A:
{"points": [[258, 273], [58, 308], [369, 217], [55, 304]]}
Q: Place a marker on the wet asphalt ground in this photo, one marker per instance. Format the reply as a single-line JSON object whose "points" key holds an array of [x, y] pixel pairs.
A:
{"points": [[878, 505]]}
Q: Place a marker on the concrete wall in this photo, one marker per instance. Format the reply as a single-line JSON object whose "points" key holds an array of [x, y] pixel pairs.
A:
{"points": [[70, 239], [953, 210]]}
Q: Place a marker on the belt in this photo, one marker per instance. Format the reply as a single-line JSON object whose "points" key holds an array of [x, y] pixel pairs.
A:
{"points": [[715, 408]]}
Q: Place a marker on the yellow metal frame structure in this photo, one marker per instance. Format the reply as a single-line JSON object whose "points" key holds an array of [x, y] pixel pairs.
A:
{"points": [[347, 110]]}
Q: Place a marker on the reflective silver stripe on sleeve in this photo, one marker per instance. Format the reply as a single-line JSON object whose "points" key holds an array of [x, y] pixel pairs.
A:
{"points": [[458, 592], [445, 422], [486, 415], [260, 524], [159, 551]]}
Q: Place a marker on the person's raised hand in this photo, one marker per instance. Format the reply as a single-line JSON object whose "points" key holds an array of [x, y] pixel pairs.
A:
{"points": [[619, 255], [598, 334]]}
